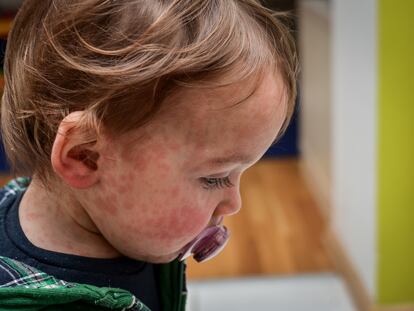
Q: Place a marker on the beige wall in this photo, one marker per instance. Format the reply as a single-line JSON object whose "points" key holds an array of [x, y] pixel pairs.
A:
{"points": [[315, 116]]}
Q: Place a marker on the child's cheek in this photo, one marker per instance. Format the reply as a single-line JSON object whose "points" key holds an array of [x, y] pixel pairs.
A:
{"points": [[168, 210], [187, 221], [148, 201], [177, 221]]}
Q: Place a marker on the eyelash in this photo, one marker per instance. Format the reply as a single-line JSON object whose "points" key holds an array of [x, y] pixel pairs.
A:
{"points": [[210, 183]]}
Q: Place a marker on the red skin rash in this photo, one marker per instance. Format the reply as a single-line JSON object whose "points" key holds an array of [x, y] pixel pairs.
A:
{"points": [[155, 221], [150, 200], [147, 195]]}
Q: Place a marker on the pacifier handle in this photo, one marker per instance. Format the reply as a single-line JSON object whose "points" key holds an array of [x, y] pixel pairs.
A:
{"points": [[207, 244]]}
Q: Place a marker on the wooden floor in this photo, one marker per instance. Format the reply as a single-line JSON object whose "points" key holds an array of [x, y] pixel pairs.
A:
{"points": [[278, 230]]}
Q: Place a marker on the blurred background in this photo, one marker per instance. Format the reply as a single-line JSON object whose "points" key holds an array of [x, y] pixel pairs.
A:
{"points": [[328, 217]]}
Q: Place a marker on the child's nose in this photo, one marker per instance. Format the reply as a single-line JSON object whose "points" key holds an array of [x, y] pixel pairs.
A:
{"points": [[230, 205]]}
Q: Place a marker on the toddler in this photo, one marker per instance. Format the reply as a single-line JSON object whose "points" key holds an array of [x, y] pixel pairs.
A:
{"points": [[133, 120]]}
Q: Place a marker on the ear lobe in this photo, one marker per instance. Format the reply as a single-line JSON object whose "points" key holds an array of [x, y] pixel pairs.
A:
{"points": [[74, 158]]}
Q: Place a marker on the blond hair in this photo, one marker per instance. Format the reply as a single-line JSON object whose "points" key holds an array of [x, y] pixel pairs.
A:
{"points": [[118, 60]]}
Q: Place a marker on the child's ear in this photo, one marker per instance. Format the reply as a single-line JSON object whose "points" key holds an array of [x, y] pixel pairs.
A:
{"points": [[74, 157]]}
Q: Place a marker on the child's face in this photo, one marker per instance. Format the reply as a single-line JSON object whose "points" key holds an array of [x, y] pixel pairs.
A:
{"points": [[161, 185]]}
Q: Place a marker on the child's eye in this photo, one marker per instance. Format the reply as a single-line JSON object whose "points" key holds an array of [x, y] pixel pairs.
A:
{"points": [[216, 183]]}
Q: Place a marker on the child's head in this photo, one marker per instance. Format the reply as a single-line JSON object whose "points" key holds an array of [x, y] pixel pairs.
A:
{"points": [[135, 104]]}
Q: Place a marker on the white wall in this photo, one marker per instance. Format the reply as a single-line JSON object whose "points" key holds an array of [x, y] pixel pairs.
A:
{"points": [[338, 121], [353, 129]]}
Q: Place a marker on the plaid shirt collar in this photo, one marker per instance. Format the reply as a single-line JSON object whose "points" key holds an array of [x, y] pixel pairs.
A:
{"points": [[32, 290]]}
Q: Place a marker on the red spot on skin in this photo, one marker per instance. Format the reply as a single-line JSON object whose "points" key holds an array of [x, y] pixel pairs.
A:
{"points": [[112, 207], [131, 177], [123, 188], [157, 221], [174, 146], [105, 183], [123, 177], [174, 192], [121, 184], [182, 222], [107, 204], [164, 167], [161, 154], [32, 216], [141, 165], [127, 153], [127, 204]]}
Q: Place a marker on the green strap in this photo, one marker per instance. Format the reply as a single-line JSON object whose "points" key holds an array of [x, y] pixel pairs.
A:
{"points": [[172, 286]]}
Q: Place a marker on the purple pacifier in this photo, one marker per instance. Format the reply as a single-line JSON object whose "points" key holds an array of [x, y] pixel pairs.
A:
{"points": [[207, 244]]}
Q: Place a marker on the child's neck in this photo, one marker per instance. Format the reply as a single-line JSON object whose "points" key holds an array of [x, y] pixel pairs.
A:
{"points": [[56, 221]]}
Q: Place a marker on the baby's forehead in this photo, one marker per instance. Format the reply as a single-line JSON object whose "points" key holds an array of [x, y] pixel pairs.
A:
{"points": [[192, 131], [238, 105], [256, 94]]}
